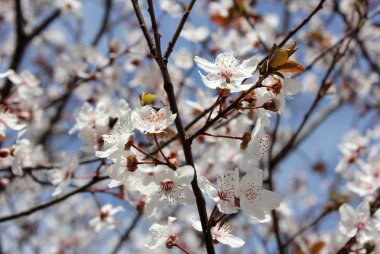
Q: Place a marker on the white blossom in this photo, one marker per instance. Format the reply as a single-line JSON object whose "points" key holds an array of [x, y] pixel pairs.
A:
{"points": [[227, 72], [221, 233], [246, 194], [105, 218], [161, 234], [167, 187], [357, 222], [147, 120]]}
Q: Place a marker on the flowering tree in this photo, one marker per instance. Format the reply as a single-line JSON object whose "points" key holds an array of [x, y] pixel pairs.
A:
{"points": [[225, 126]]}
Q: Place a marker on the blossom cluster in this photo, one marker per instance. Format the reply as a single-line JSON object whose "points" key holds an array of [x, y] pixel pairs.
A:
{"points": [[216, 134]]}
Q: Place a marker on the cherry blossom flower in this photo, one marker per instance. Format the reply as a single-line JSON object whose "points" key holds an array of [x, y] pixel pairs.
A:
{"points": [[352, 147], [173, 8], [9, 120], [147, 120], [357, 222], [259, 144], [91, 123], [221, 233], [21, 156], [62, 177], [117, 139], [105, 218], [221, 7], [247, 194], [367, 180], [161, 235], [278, 88], [194, 34], [167, 187], [227, 72]]}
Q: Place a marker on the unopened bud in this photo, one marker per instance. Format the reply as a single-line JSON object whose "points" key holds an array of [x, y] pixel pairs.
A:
{"points": [[127, 146], [132, 163], [4, 152], [246, 139], [272, 105], [174, 162], [114, 46]]}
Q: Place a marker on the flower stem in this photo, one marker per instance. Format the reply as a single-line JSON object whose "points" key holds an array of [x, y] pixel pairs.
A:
{"points": [[210, 218], [213, 107], [159, 148], [182, 249], [147, 154], [256, 107]]}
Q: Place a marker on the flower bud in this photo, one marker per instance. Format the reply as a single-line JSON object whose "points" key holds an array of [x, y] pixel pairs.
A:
{"points": [[272, 105], [128, 145], [246, 139], [132, 163], [4, 152]]}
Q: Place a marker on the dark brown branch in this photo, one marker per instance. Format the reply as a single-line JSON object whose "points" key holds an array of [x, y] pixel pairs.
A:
{"points": [[44, 24], [52, 202], [310, 226], [226, 110], [178, 31], [104, 24], [303, 23], [126, 234], [22, 41], [186, 144]]}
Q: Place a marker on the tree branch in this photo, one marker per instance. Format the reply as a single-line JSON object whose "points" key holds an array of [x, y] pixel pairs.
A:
{"points": [[52, 202]]}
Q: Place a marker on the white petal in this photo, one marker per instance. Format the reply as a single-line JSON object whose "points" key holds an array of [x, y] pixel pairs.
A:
{"points": [[186, 173], [196, 225], [205, 65], [249, 66], [270, 200], [292, 86], [231, 240], [208, 188]]}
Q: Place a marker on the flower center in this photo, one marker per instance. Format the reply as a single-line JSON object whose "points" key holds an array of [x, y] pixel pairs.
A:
{"points": [[227, 75], [360, 225], [167, 186], [103, 215]]}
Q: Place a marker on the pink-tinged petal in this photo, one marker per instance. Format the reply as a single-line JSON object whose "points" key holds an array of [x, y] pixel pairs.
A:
{"points": [[186, 173], [196, 225], [228, 184], [292, 86], [348, 220], [208, 188], [270, 200], [254, 177], [363, 212], [249, 66], [205, 65], [227, 207], [188, 196], [231, 240], [212, 80], [106, 153], [259, 215]]}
